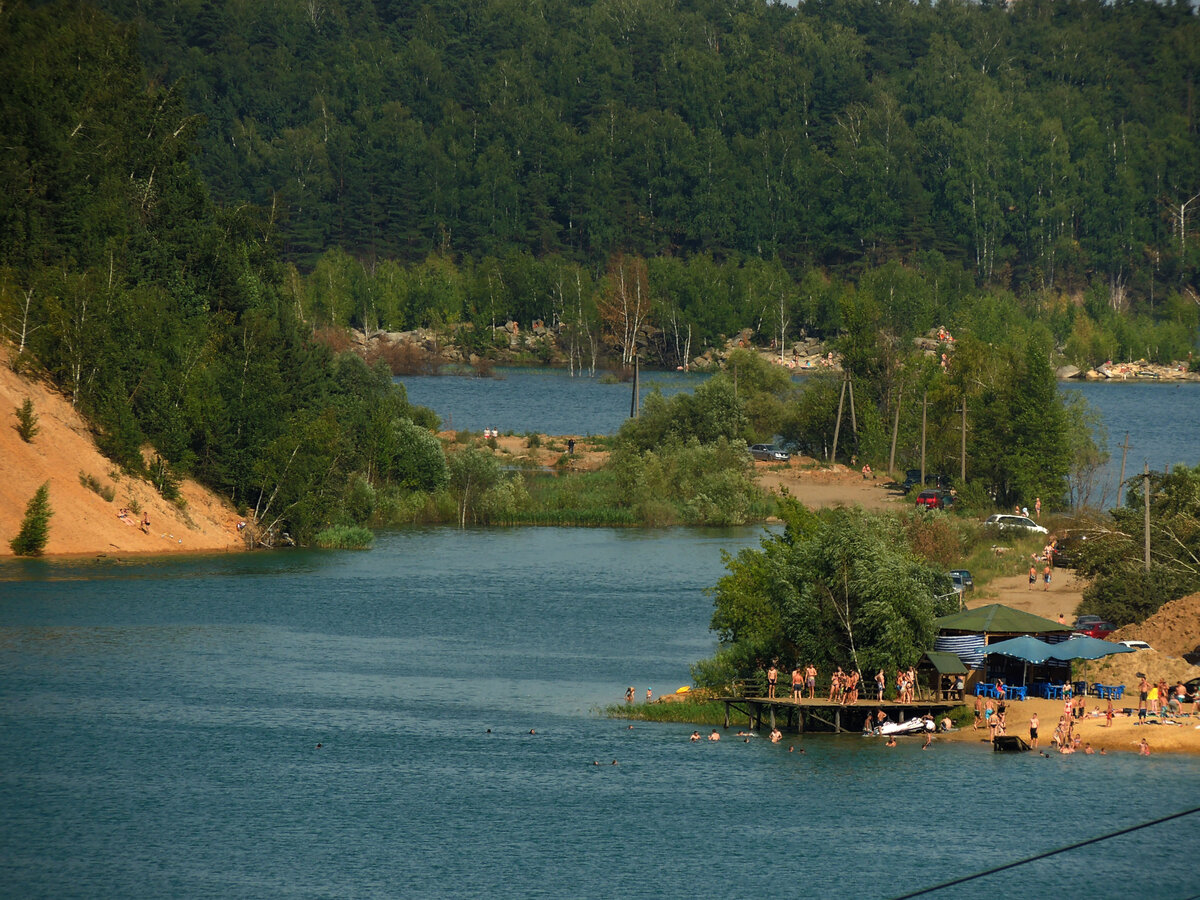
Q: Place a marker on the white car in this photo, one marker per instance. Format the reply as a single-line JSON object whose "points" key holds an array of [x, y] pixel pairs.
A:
{"points": [[1137, 645], [1014, 523], [768, 453]]}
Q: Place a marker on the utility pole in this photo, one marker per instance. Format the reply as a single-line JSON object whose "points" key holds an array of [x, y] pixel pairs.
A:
{"points": [[1146, 523], [838, 425], [962, 477], [634, 402], [1121, 484], [895, 432], [924, 410], [853, 420]]}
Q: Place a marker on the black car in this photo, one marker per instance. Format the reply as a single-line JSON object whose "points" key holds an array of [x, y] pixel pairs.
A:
{"points": [[1071, 545], [962, 580], [1193, 688], [768, 453], [912, 479]]}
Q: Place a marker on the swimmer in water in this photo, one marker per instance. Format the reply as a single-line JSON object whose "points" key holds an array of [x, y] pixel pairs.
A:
{"points": [[891, 742]]}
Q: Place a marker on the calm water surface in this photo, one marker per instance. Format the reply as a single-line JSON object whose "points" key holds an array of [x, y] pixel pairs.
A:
{"points": [[159, 722], [1163, 420]]}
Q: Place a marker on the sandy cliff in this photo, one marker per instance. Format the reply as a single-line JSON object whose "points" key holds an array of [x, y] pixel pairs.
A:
{"points": [[83, 521]]}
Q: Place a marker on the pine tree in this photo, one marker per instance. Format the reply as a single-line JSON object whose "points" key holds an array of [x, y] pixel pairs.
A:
{"points": [[27, 426], [35, 527]]}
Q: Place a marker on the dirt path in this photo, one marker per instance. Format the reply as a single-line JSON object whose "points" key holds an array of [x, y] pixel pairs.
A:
{"points": [[818, 487], [1063, 596]]}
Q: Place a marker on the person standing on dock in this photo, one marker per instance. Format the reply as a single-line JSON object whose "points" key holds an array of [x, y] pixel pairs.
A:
{"points": [[797, 682], [810, 680], [880, 683], [772, 680]]}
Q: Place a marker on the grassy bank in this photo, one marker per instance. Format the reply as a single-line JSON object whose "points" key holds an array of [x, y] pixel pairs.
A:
{"points": [[690, 712]]}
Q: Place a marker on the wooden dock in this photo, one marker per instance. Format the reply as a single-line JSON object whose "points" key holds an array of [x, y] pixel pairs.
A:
{"points": [[803, 716]]}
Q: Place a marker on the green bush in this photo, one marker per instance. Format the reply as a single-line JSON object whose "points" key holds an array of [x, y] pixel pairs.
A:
{"points": [[92, 483], [345, 537]]}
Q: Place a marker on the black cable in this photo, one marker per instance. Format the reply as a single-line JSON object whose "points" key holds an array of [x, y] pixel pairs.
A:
{"points": [[1021, 862]]}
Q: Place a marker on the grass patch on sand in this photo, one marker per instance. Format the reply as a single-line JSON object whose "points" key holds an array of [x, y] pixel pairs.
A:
{"points": [[345, 537], [700, 711]]}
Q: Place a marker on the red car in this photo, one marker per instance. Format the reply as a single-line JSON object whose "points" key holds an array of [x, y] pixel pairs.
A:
{"points": [[1100, 629], [935, 499]]}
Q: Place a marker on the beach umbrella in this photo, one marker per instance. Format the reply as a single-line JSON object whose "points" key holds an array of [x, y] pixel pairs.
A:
{"points": [[1083, 647], [1025, 648]]}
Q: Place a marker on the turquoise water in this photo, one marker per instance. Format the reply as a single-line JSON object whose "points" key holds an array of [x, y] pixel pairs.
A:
{"points": [[1163, 419], [549, 401], [159, 723]]}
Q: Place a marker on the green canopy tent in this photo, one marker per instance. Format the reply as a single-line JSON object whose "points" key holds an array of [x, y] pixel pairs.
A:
{"points": [[940, 664], [995, 618]]}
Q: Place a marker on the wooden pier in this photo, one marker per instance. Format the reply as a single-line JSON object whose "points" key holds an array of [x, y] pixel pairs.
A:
{"points": [[804, 716]]}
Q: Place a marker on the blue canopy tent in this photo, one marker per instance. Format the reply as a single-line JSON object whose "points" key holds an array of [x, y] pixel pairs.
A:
{"points": [[1025, 648], [1083, 647]]}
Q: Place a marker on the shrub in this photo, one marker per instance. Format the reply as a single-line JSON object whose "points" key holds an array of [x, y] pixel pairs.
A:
{"points": [[533, 440], [27, 419], [35, 527], [345, 537], [92, 483], [165, 481]]}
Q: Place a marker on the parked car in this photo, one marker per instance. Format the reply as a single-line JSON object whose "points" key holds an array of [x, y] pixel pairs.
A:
{"points": [[769, 453], [1137, 645], [963, 583], [935, 499], [1100, 629], [912, 478], [1082, 622], [1070, 546], [1014, 523]]}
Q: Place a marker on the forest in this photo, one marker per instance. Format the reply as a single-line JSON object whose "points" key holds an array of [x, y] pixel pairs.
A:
{"points": [[749, 163], [158, 312], [195, 191]]}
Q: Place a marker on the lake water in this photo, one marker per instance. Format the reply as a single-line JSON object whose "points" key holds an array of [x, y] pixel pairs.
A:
{"points": [[543, 400], [159, 722], [1163, 420]]}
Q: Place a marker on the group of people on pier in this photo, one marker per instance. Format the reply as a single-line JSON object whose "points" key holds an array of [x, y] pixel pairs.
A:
{"points": [[844, 687]]}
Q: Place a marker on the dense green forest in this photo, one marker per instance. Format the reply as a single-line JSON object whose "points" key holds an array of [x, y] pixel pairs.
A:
{"points": [[160, 313], [191, 189], [477, 160]]}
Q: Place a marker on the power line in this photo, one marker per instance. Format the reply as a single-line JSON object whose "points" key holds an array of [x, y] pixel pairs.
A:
{"points": [[1021, 862]]}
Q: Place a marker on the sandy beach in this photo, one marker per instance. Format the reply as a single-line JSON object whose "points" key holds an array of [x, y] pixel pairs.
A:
{"points": [[1123, 736], [84, 523]]}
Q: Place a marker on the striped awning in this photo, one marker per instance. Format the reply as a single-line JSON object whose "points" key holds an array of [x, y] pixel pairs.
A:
{"points": [[967, 647]]}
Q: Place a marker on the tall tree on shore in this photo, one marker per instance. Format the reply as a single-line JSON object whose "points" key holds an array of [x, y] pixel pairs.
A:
{"points": [[35, 526]]}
